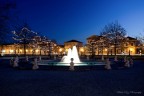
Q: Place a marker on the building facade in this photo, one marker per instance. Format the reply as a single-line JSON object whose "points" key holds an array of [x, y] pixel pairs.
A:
{"points": [[97, 45], [71, 43], [36, 47]]}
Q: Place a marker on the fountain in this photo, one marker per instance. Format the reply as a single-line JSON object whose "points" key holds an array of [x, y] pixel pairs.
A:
{"points": [[66, 60], [71, 54]]}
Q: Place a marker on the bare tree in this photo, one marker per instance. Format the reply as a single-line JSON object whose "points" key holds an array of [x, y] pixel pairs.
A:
{"points": [[115, 34], [141, 38], [5, 17]]}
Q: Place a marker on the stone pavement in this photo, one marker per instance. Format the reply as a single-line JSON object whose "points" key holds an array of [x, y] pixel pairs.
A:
{"points": [[122, 82]]}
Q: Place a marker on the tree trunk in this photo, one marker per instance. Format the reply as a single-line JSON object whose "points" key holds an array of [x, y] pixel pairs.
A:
{"points": [[115, 49], [24, 49]]}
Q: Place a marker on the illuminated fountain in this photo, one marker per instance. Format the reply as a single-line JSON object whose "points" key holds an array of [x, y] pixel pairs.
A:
{"points": [[71, 54], [65, 61]]}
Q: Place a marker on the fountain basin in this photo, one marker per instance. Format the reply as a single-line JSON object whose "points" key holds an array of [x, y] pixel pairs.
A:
{"points": [[71, 57], [54, 63]]}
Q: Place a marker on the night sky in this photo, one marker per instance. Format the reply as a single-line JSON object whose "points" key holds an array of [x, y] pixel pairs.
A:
{"points": [[64, 20]]}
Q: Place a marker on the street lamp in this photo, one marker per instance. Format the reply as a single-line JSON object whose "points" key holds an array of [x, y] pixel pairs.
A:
{"points": [[130, 50]]}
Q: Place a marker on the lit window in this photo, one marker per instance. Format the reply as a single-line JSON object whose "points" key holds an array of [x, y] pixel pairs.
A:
{"points": [[3, 51], [11, 51]]}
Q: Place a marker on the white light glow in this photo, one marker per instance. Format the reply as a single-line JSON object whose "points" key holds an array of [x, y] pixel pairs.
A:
{"points": [[20, 50], [60, 50], [82, 50], [3, 51], [71, 54], [11, 51], [37, 50]]}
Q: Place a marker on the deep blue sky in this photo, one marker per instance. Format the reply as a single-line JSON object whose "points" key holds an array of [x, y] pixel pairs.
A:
{"points": [[64, 20]]}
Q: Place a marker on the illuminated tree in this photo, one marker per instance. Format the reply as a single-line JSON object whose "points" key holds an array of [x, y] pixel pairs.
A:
{"points": [[141, 42], [34, 43], [24, 36], [115, 34], [38, 42], [42, 43], [91, 47]]}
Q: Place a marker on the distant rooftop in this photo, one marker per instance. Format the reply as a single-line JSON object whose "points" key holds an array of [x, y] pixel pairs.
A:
{"points": [[95, 37], [73, 41], [131, 38], [61, 45], [92, 37]]}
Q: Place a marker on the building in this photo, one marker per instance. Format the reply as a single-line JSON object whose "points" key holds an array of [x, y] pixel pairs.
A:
{"points": [[35, 47], [97, 45], [59, 50], [71, 43], [131, 46]]}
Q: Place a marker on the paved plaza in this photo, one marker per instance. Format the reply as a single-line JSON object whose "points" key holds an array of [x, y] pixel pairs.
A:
{"points": [[115, 82]]}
